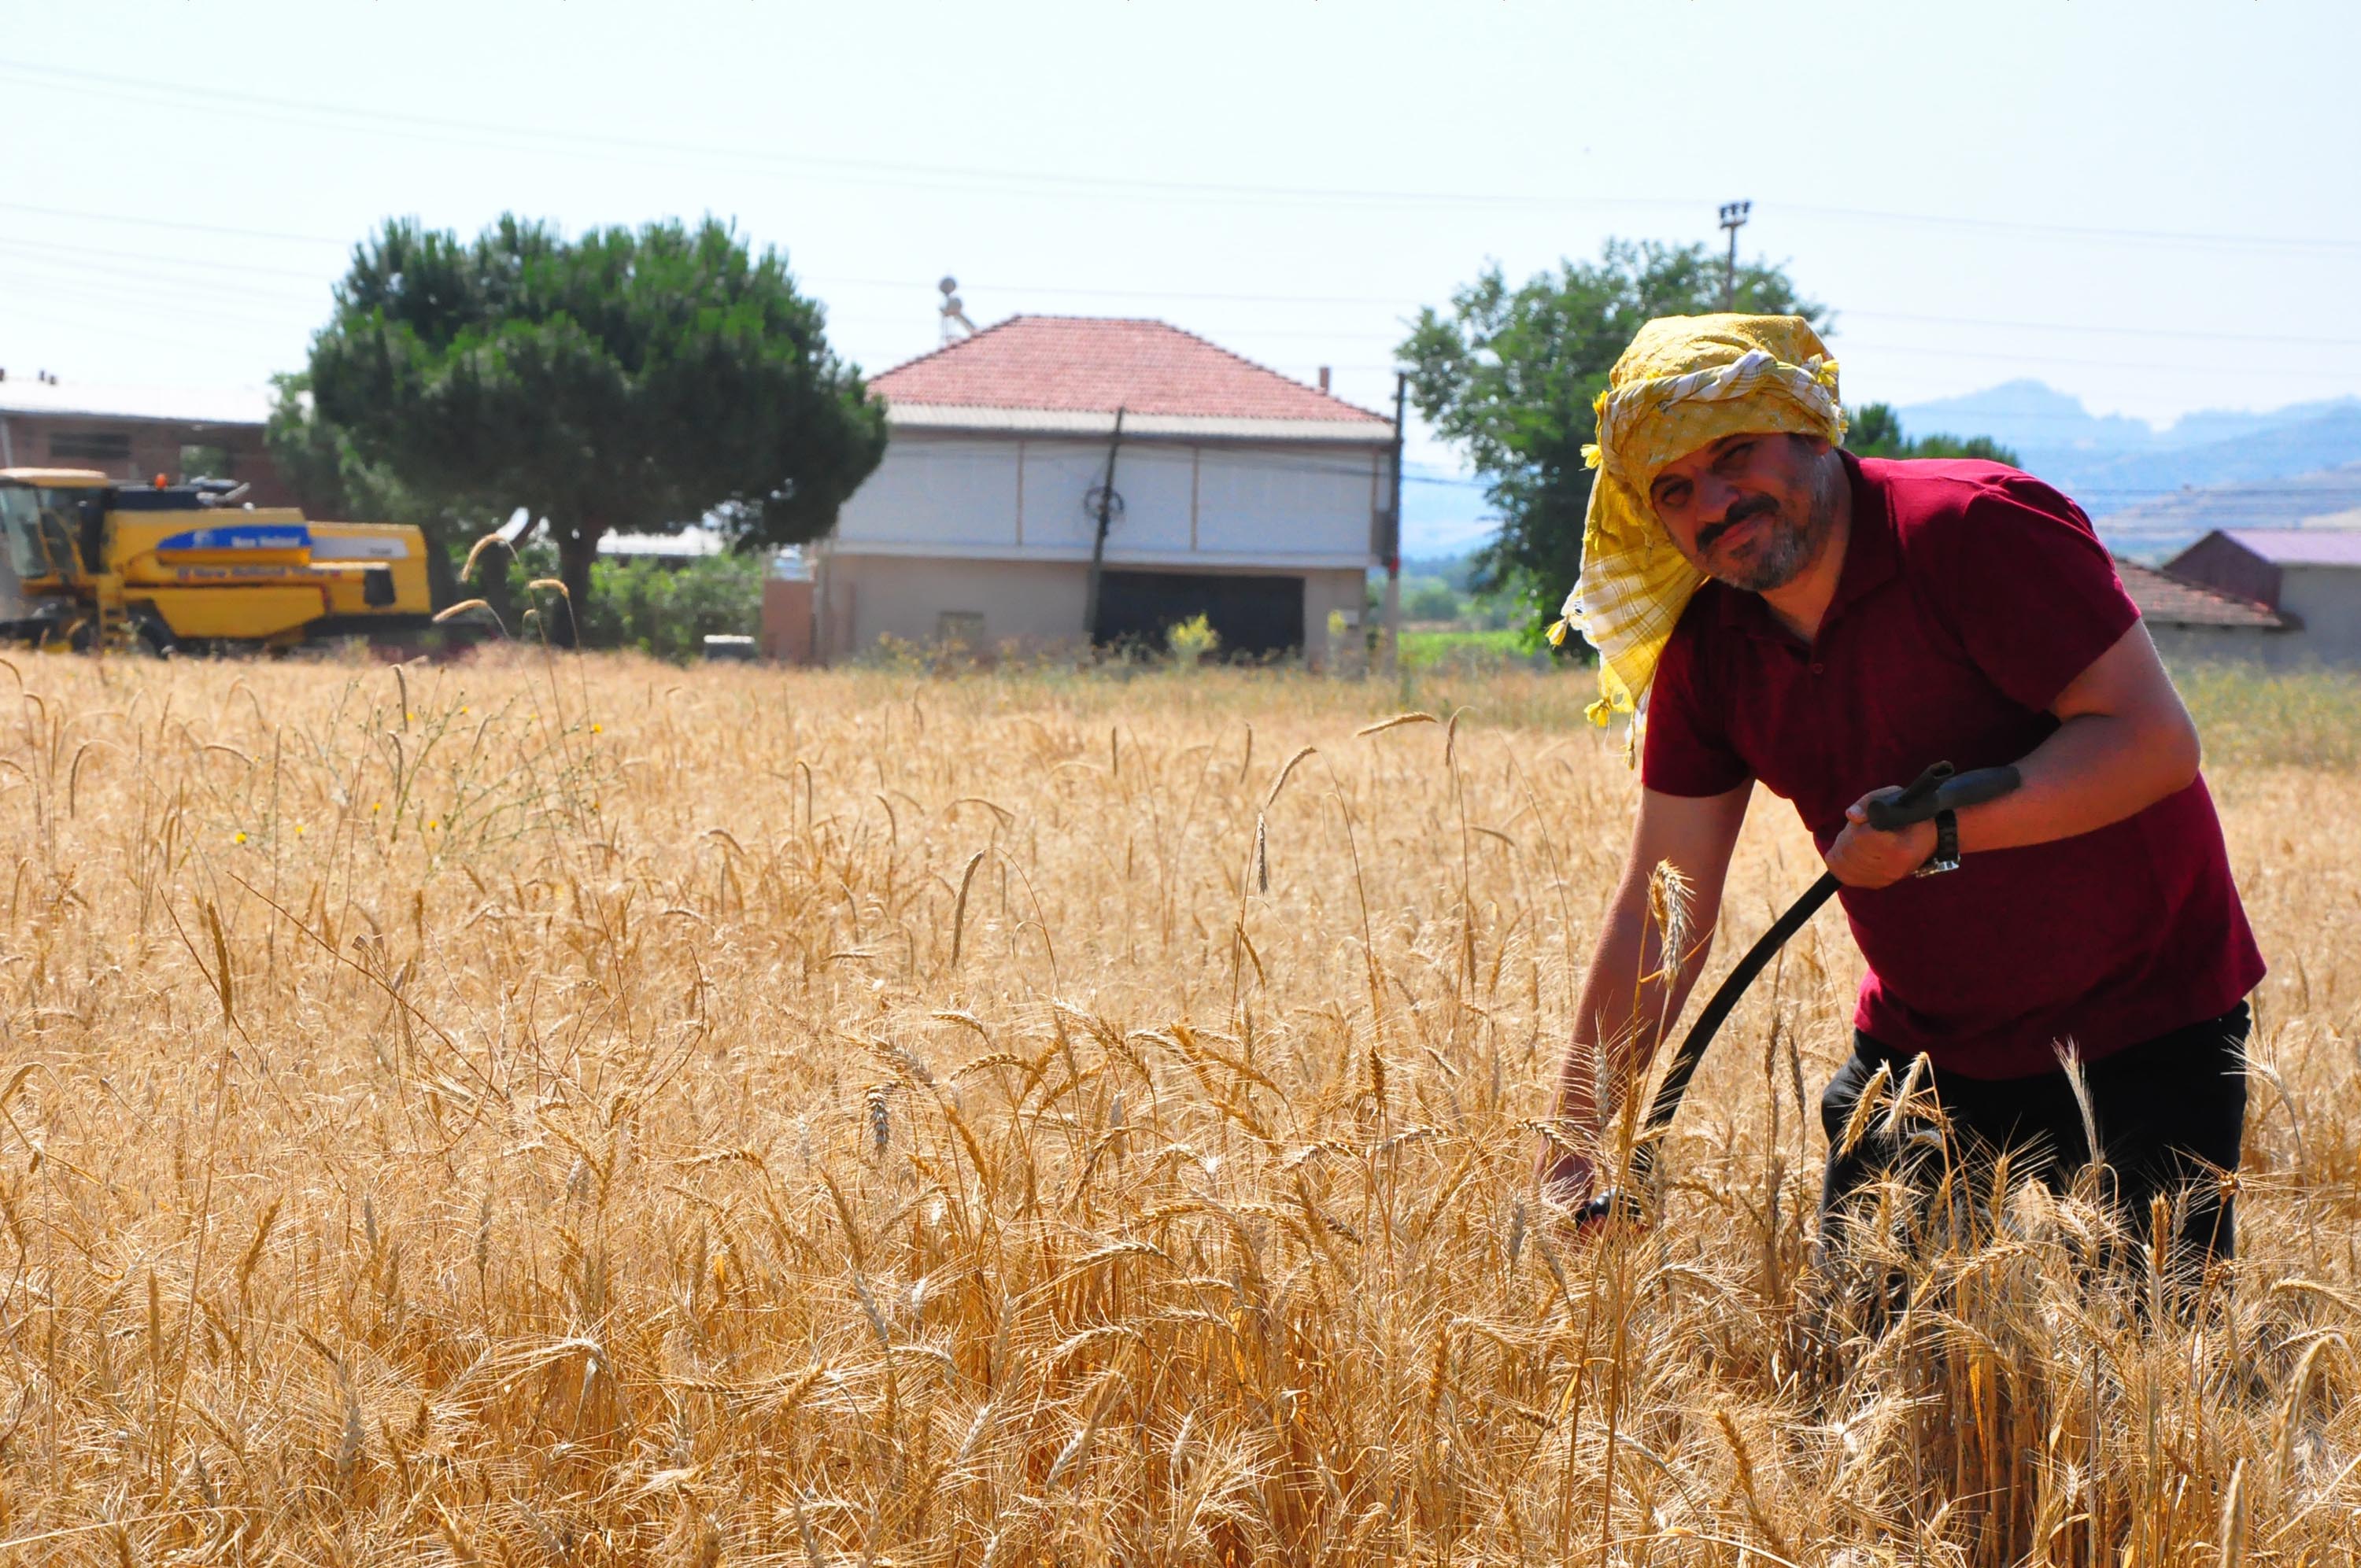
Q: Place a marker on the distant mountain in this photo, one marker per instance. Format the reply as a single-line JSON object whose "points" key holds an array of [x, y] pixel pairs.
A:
{"points": [[2148, 485], [2221, 424], [2027, 414], [2111, 463], [2107, 483], [2164, 526]]}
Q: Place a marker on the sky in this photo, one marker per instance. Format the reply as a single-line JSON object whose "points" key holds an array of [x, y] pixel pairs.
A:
{"points": [[2154, 205]]}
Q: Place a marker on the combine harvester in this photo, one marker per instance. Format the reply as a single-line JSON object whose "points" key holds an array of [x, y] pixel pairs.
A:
{"points": [[184, 567]]}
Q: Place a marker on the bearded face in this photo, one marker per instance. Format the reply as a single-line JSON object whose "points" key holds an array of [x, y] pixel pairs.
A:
{"points": [[1755, 510]]}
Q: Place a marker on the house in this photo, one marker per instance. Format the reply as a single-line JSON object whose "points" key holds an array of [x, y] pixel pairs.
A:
{"points": [[1232, 492], [137, 433], [2310, 575], [2190, 622]]}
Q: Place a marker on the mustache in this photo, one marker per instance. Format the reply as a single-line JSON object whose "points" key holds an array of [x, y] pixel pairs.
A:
{"points": [[1743, 511]]}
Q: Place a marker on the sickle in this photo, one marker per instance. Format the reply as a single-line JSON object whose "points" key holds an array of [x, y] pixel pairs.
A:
{"points": [[1934, 790]]}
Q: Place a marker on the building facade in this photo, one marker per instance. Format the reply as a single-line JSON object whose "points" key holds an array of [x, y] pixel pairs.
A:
{"points": [[2188, 621], [2310, 578], [134, 433], [1230, 491]]}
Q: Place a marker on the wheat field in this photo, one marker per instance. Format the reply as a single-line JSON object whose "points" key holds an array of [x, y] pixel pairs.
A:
{"points": [[581, 1111]]}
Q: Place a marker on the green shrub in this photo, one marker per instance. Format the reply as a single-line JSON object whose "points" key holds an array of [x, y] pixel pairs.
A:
{"points": [[663, 610], [1191, 641], [670, 610]]}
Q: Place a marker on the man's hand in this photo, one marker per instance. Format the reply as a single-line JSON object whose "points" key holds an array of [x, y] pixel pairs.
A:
{"points": [[1863, 857], [1566, 1177]]}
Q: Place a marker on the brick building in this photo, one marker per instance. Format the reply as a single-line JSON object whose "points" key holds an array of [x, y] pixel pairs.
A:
{"points": [[137, 433]]}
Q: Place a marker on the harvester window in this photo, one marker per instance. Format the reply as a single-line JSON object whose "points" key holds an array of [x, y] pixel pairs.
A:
{"points": [[41, 524]]}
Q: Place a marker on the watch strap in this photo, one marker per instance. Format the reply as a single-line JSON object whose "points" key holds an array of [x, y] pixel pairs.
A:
{"points": [[1946, 857]]}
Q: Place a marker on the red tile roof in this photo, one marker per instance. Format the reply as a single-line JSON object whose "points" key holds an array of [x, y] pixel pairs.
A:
{"points": [[2169, 601], [1096, 364]]}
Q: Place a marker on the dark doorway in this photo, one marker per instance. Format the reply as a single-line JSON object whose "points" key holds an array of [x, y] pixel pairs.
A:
{"points": [[1254, 616]]}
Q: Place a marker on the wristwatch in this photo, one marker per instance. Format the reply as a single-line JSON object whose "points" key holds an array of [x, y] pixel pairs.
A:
{"points": [[1946, 857]]}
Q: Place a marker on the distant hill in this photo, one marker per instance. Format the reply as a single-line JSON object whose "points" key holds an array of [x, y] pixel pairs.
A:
{"points": [[2109, 484], [2165, 525], [2148, 485], [2027, 415], [2112, 464]]}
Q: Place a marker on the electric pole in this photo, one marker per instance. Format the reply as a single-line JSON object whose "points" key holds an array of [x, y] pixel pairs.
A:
{"points": [[1733, 218], [1105, 506], [1391, 542]]}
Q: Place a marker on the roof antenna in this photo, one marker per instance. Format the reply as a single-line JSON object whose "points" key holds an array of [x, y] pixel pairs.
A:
{"points": [[955, 323]]}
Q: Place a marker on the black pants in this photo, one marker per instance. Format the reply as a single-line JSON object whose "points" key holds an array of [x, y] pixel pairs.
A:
{"points": [[2170, 1112]]}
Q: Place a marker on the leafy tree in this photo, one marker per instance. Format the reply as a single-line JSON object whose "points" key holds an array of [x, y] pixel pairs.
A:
{"points": [[1510, 374], [629, 380], [1876, 432], [331, 479]]}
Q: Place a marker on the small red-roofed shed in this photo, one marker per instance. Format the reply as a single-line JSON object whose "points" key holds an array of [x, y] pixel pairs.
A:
{"points": [[1237, 493], [2308, 576]]}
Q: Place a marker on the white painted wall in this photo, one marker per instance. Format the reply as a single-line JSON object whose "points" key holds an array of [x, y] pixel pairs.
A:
{"points": [[2329, 600], [1015, 498], [942, 492], [1320, 501]]}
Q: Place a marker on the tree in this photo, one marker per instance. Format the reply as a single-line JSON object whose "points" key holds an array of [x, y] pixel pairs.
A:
{"points": [[317, 461], [1510, 376], [1876, 432], [626, 381]]}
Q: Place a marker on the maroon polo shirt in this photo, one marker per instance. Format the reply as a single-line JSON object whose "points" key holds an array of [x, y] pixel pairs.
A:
{"points": [[1971, 596]]}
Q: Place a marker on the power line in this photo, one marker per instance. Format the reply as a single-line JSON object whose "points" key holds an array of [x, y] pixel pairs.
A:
{"points": [[31, 250], [2083, 231], [115, 298], [46, 247], [2299, 340], [1395, 301], [2345, 375], [153, 223], [578, 142]]}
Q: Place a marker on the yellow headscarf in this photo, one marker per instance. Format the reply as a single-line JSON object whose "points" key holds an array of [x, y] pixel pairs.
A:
{"points": [[1684, 383]]}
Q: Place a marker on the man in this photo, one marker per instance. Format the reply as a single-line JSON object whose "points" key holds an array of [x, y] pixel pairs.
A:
{"points": [[1780, 611]]}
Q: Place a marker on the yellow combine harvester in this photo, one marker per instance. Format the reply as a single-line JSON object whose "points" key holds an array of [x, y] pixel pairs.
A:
{"points": [[178, 566]]}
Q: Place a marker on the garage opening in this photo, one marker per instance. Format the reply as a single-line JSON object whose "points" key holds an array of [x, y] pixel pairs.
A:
{"points": [[1254, 617]]}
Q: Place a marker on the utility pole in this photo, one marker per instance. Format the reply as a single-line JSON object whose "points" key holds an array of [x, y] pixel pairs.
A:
{"points": [[1391, 545], [1105, 506], [1733, 218]]}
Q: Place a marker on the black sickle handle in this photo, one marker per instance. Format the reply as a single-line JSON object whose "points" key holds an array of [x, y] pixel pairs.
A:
{"points": [[1938, 789]]}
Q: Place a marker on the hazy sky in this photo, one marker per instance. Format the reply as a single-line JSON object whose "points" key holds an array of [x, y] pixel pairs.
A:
{"points": [[2155, 205]]}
